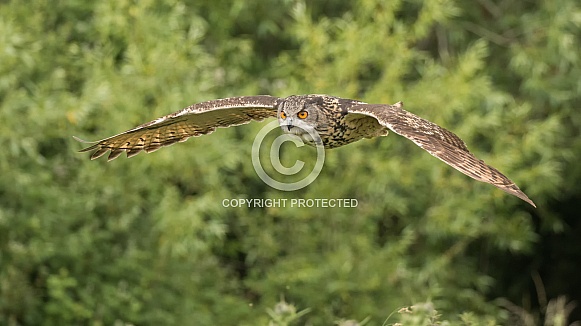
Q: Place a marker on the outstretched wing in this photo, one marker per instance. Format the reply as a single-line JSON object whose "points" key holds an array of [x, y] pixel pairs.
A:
{"points": [[195, 120], [439, 142]]}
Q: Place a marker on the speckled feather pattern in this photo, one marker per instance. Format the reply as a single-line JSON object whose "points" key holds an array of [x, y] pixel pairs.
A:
{"points": [[339, 122]]}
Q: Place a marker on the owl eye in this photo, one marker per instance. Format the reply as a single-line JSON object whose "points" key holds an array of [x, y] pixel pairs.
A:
{"points": [[302, 114], [282, 115]]}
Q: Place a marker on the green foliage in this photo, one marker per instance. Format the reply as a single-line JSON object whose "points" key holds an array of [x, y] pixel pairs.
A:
{"points": [[148, 240]]}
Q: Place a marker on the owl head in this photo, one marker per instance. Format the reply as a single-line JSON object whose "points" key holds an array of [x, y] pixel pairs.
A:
{"points": [[299, 115]]}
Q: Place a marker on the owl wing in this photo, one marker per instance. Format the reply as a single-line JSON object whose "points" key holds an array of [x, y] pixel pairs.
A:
{"points": [[195, 120], [439, 142]]}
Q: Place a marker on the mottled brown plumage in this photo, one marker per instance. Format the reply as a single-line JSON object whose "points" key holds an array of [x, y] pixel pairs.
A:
{"points": [[337, 122]]}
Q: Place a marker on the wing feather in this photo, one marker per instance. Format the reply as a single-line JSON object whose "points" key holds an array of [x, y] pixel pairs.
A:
{"points": [[195, 120], [439, 142]]}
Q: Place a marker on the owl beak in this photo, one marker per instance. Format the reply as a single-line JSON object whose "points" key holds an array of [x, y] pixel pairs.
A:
{"points": [[290, 124]]}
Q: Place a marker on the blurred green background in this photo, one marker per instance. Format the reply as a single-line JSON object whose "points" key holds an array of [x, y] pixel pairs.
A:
{"points": [[146, 241]]}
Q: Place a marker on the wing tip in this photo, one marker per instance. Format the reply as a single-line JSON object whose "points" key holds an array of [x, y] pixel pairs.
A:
{"points": [[82, 140], [85, 142], [100, 151], [513, 189], [526, 199]]}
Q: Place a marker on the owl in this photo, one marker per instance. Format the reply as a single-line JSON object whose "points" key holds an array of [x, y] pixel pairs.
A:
{"points": [[336, 121]]}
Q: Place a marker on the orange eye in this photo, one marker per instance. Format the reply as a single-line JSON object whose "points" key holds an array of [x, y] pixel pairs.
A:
{"points": [[302, 114], [282, 115]]}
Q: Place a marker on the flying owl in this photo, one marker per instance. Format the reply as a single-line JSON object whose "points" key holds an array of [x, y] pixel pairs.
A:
{"points": [[337, 121]]}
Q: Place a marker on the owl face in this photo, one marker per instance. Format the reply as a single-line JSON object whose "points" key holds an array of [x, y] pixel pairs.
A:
{"points": [[298, 116]]}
